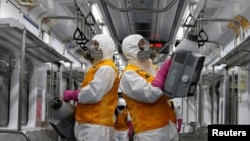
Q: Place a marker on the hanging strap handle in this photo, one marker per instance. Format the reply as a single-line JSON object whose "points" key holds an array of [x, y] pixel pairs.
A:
{"points": [[202, 37], [190, 16], [80, 37], [78, 34], [90, 20]]}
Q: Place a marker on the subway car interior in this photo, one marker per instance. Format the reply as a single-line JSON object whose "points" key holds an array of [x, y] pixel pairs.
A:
{"points": [[43, 42]]}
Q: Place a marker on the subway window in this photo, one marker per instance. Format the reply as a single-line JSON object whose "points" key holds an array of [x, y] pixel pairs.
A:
{"points": [[4, 87]]}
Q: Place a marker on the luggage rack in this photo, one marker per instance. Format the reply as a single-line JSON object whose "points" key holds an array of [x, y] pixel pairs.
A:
{"points": [[14, 34], [238, 56]]}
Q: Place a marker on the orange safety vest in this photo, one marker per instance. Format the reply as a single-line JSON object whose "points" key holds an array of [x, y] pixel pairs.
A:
{"points": [[102, 112], [121, 123], [147, 116]]}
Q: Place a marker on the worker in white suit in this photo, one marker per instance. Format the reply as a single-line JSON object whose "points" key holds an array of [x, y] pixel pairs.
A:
{"points": [[147, 104], [123, 123], [97, 97]]}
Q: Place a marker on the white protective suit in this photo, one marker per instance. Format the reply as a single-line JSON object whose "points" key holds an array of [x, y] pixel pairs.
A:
{"points": [[136, 87], [178, 115], [95, 91], [122, 135]]}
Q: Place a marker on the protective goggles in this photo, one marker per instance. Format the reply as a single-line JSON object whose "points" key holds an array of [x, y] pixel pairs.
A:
{"points": [[144, 44], [121, 107], [94, 44], [94, 52]]}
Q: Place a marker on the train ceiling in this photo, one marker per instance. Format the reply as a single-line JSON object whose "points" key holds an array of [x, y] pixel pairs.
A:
{"points": [[156, 20], [124, 17]]}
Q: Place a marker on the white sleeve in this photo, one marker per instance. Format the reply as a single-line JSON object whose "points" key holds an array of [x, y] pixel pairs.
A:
{"points": [[137, 88], [129, 117], [102, 82]]}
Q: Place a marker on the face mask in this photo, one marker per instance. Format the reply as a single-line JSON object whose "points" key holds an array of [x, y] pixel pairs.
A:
{"points": [[144, 55], [93, 52], [96, 54], [145, 51]]}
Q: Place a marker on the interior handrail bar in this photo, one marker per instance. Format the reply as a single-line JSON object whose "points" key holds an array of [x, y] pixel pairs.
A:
{"points": [[226, 20], [44, 19]]}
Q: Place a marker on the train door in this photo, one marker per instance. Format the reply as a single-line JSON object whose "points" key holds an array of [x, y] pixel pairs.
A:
{"points": [[237, 98], [244, 95], [52, 90], [216, 99]]}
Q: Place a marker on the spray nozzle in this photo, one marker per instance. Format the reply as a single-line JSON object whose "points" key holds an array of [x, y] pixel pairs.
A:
{"points": [[55, 103]]}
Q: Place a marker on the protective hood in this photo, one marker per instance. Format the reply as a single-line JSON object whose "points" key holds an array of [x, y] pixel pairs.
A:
{"points": [[121, 102], [106, 43], [130, 49]]}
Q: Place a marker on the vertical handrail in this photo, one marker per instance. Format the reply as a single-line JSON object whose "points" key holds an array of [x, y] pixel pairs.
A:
{"points": [[71, 77], [227, 100], [21, 79], [222, 112], [187, 109], [201, 105], [212, 97]]}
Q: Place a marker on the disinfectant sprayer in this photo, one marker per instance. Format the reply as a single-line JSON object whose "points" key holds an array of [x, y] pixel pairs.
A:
{"points": [[62, 118]]}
